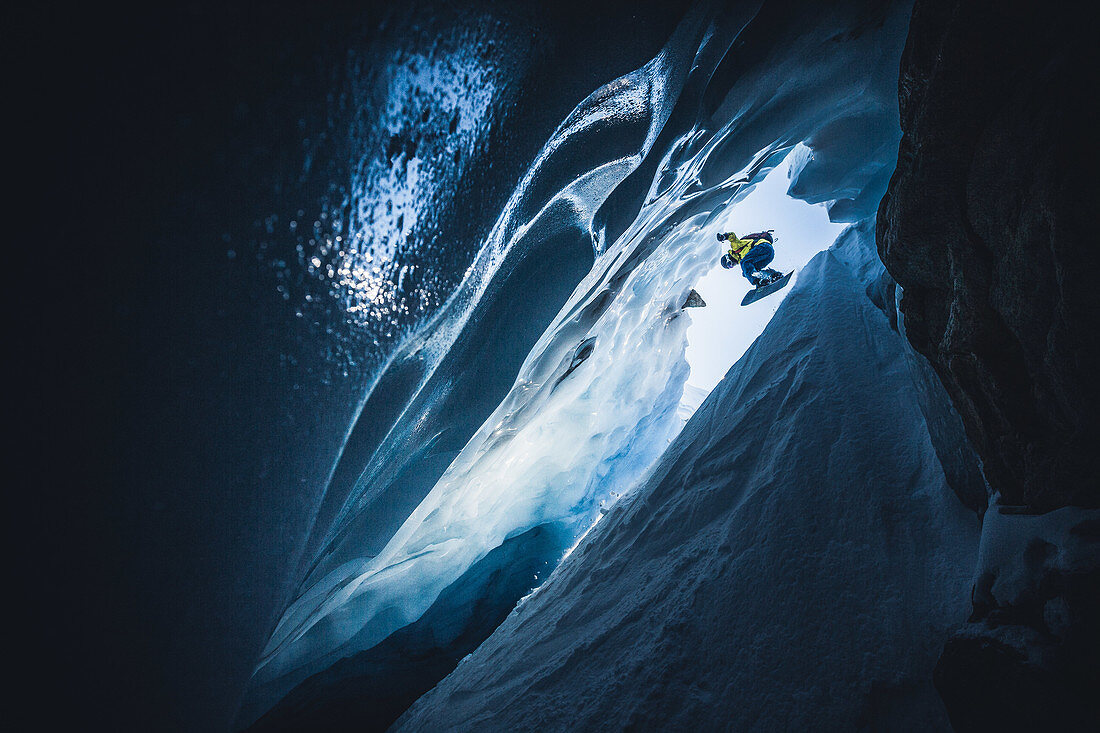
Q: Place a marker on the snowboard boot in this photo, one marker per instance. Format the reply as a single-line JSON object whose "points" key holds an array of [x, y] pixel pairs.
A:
{"points": [[770, 276]]}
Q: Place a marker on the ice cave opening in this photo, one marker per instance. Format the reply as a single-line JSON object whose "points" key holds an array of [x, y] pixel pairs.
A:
{"points": [[722, 331]]}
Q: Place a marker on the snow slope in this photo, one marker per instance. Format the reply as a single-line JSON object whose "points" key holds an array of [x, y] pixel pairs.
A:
{"points": [[793, 562]]}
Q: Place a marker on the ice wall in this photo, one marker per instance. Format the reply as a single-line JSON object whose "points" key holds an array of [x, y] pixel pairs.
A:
{"points": [[232, 161], [592, 408], [643, 171], [794, 562]]}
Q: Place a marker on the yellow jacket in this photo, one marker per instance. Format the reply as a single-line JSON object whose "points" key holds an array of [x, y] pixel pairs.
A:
{"points": [[740, 247]]}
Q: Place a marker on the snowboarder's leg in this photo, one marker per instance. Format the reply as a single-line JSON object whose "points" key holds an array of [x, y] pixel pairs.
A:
{"points": [[757, 258], [765, 253], [748, 269]]}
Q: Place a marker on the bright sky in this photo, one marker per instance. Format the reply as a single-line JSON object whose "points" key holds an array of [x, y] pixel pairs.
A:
{"points": [[720, 333]]}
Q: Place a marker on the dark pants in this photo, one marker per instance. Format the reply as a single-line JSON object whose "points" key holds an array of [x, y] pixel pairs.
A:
{"points": [[757, 259]]}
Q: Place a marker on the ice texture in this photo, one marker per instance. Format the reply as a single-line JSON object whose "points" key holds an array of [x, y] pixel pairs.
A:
{"points": [[592, 408], [642, 173], [794, 562]]}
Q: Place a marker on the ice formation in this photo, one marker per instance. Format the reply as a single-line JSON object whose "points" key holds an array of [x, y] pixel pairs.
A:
{"points": [[592, 408], [646, 170]]}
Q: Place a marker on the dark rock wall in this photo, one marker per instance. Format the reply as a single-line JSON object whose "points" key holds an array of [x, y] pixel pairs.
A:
{"points": [[987, 228]]}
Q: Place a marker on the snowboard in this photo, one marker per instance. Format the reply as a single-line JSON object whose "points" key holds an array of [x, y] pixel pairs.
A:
{"points": [[765, 290]]}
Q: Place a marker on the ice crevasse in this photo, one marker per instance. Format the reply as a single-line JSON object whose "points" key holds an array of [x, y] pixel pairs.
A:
{"points": [[594, 405]]}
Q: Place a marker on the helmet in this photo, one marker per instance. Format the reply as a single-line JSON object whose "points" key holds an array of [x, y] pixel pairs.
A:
{"points": [[727, 261]]}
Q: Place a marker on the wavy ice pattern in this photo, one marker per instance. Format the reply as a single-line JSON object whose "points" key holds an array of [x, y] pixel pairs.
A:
{"points": [[647, 167]]}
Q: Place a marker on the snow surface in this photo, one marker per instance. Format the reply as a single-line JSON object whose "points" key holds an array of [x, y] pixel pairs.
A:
{"points": [[794, 561], [1018, 551]]}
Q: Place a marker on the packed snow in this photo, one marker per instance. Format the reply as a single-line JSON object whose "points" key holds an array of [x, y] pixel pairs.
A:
{"points": [[1018, 552]]}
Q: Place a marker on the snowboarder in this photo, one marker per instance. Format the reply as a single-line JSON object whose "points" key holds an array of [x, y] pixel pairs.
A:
{"points": [[753, 252]]}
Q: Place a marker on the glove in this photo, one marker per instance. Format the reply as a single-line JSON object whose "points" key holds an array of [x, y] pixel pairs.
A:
{"points": [[719, 236]]}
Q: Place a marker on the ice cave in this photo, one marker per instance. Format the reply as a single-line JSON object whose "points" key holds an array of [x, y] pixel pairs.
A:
{"points": [[409, 391]]}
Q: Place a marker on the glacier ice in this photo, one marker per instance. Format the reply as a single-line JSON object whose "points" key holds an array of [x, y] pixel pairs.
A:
{"points": [[592, 408], [644, 171]]}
